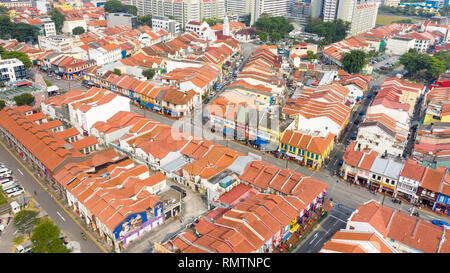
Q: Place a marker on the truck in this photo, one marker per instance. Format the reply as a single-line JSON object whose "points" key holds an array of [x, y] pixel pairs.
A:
{"points": [[25, 247]]}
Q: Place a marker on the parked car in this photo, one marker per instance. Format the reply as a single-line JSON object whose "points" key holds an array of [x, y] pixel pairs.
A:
{"points": [[10, 186], [440, 223], [4, 172], [15, 191]]}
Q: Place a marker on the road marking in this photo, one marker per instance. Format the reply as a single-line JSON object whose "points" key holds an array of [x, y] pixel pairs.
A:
{"points": [[315, 236], [20, 172], [60, 216], [32, 175], [337, 218]]}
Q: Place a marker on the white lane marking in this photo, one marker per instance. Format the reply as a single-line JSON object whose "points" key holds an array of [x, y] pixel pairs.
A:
{"points": [[60, 216], [315, 236], [337, 218], [20, 172]]}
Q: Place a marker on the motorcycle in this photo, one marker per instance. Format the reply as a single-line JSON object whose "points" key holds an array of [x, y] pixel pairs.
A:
{"points": [[83, 236]]}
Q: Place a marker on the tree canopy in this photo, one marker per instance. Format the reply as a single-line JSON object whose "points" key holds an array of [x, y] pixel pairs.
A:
{"points": [[212, 21], [15, 54], [421, 66], [20, 31], [45, 238], [262, 36], [57, 18], [113, 6], [149, 73], [332, 32], [445, 57], [311, 55], [354, 61], [272, 25], [117, 71], [25, 221], [2, 105], [78, 31], [24, 99], [145, 20]]}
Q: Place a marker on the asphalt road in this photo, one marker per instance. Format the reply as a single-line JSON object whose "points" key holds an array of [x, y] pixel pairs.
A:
{"points": [[333, 222], [54, 209]]}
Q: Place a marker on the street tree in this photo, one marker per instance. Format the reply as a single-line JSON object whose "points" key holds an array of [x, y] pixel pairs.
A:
{"points": [[117, 71], [58, 18], [78, 31], [262, 35], [24, 99], [15, 54], [45, 238], [25, 221], [2, 104], [149, 73], [354, 61], [145, 20], [311, 55]]}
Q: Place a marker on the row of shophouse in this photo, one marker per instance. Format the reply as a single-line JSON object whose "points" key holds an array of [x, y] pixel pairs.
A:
{"points": [[386, 125], [374, 228], [263, 210], [397, 177], [111, 193]]}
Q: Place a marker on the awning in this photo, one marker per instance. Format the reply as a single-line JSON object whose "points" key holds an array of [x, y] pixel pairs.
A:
{"points": [[261, 141], [287, 235], [156, 107], [227, 131]]}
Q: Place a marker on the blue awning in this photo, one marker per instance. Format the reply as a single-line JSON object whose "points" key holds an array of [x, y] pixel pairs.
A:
{"points": [[261, 142], [228, 131], [287, 235]]}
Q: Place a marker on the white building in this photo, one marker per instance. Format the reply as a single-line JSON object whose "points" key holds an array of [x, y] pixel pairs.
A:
{"points": [[329, 10], [363, 18], [48, 27], [163, 22], [202, 29], [182, 11], [399, 45], [11, 70], [410, 178], [105, 54], [97, 105], [70, 24], [212, 9], [58, 43]]}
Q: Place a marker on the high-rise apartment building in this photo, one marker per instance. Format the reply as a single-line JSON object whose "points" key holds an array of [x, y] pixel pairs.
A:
{"points": [[363, 18], [181, 11], [329, 11], [212, 9]]}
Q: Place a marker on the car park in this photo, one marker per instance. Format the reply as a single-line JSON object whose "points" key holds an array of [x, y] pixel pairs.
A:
{"points": [[4, 172], [15, 191]]}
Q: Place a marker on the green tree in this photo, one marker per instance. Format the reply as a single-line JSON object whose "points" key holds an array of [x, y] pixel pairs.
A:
{"points": [[145, 20], [58, 18], [311, 55], [24, 99], [445, 57], [113, 6], [18, 240], [117, 71], [331, 32], [436, 68], [45, 238], [277, 24], [2, 104], [48, 83], [262, 35], [149, 73], [354, 61], [275, 37], [20, 31], [212, 21], [15, 54], [78, 31], [25, 221]]}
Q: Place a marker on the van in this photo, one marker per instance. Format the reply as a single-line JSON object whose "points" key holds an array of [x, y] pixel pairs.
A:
{"points": [[6, 184], [25, 247], [11, 192], [5, 172], [10, 185]]}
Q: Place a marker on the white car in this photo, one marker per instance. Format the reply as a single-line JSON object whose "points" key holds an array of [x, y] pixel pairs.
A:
{"points": [[14, 191]]}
